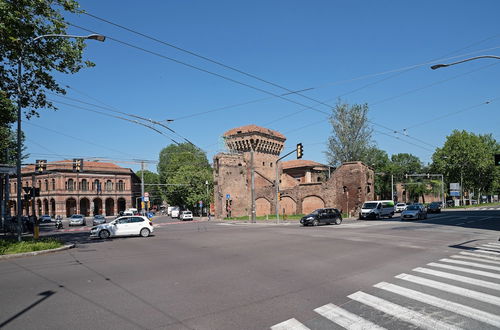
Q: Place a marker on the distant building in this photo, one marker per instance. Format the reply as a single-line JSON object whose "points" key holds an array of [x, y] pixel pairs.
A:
{"points": [[93, 188], [304, 185]]}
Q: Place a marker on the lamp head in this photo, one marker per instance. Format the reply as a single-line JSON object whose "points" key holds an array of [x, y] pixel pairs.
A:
{"points": [[98, 37], [437, 66]]}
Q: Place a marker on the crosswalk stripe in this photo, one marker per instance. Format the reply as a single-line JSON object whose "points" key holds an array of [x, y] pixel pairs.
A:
{"points": [[487, 252], [495, 244], [400, 312], [345, 318], [488, 298], [476, 259], [473, 264], [491, 247], [291, 324], [456, 308], [458, 278], [480, 255], [465, 270]]}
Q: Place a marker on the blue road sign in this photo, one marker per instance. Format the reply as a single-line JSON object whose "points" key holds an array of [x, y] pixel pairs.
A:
{"points": [[455, 193], [228, 196]]}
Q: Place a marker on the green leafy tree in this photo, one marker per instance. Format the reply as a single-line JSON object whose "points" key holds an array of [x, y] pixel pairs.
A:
{"points": [[185, 170], [379, 161], [351, 134], [8, 139], [468, 157], [151, 185], [404, 163], [22, 21]]}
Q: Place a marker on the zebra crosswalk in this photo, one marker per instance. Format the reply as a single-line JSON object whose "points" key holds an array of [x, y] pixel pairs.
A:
{"points": [[461, 291]]}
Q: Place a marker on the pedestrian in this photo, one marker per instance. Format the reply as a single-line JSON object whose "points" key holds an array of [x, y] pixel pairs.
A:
{"points": [[208, 216]]}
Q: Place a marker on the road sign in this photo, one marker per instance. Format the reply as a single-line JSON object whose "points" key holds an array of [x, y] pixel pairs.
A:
{"points": [[455, 193], [146, 194], [228, 196], [454, 186]]}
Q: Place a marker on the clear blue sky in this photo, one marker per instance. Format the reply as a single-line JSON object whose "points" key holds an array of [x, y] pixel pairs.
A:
{"points": [[349, 49]]}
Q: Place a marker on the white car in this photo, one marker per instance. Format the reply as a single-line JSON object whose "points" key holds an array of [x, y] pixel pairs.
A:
{"points": [[124, 226], [400, 207], [186, 215], [77, 220]]}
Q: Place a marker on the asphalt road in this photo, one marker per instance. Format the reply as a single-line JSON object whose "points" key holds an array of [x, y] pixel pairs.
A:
{"points": [[212, 275]]}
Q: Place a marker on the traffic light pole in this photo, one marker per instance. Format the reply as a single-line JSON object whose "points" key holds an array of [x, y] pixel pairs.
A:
{"points": [[277, 185]]}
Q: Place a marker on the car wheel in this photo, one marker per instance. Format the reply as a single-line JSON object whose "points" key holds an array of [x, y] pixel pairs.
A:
{"points": [[377, 216], [315, 223], [338, 221], [103, 234], [144, 232]]}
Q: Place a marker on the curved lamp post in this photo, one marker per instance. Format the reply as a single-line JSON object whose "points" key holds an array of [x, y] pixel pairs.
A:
{"points": [[438, 66], [19, 111]]}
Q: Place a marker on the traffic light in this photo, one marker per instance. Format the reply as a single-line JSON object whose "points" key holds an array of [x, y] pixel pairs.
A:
{"points": [[279, 195], [77, 165], [300, 150], [41, 165], [497, 159]]}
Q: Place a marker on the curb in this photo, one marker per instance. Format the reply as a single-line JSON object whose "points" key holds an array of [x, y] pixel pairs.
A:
{"points": [[35, 253]]}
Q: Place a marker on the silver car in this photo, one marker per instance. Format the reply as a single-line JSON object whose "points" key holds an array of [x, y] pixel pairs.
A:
{"points": [[414, 212], [77, 220], [98, 220]]}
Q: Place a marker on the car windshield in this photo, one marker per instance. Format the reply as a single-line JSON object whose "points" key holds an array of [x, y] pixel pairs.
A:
{"points": [[369, 205], [318, 211], [413, 207], [434, 204], [77, 216], [400, 204], [188, 213]]}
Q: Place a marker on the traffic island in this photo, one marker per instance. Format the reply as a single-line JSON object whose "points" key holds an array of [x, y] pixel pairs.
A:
{"points": [[11, 248]]}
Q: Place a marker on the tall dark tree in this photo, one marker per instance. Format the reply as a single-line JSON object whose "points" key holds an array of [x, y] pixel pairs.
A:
{"points": [[351, 134]]}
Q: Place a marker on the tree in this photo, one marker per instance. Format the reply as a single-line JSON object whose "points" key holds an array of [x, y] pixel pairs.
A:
{"points": [[21, 21], [404, 163], [468, 157], [351, 135], [8, 140], [151, 185], [379, 161], [186, 170]]}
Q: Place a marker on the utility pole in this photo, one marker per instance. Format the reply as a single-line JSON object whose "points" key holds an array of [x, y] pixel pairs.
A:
{"points": [[392, 187], [142, 185], [277, 192], [252, 176]]}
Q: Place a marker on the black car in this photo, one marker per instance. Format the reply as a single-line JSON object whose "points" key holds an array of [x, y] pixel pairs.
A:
{"points": [[434, 207], [319, 216]]}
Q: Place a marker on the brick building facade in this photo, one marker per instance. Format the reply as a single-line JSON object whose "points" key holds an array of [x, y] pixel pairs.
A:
{"points": [[98, 188], [304, 185]]}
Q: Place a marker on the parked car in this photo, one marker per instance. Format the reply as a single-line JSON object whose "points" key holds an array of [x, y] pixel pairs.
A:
{"points": [[377, 209], [186, 215], [123, 226], [45, 218], [434, 207], [77, 220], [414, 212], [98, 219], [400, 207], [175, 212], [319, 216]]}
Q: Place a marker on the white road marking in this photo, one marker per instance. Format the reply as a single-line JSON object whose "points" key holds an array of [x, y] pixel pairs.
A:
{"points": [[459, 278], [473, 264], [465, 270], [488, 252], [488, 298], [495, 244], [456, 308], [345, 318], [400, 312], [291, 324], [476, 259], [478, 255], [491, 247]]}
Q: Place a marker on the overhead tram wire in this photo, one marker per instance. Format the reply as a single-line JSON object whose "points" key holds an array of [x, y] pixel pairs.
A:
{"points": [[208, 59], [203, 70], [114, 116]]}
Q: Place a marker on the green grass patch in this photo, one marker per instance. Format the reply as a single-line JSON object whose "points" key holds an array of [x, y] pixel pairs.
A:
{"points": [[12, 246], [474, 205]]}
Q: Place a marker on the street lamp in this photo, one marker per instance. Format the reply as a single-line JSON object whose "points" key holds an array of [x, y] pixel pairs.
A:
{"points": [[19, 111], [438, 66]]}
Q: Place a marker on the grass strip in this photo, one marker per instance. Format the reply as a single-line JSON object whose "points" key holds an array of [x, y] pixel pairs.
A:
{"points": [[12, 246]]}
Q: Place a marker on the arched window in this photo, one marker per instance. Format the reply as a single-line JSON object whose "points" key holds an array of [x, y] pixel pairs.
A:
{"points": [[109, 185], [46, 185], [120, 185], [84, 185], [70, 184], [39, 184], [53, 184], [96, 185]]}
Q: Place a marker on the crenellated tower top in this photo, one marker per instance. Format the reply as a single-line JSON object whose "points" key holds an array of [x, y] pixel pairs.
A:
{"points": [[256, 138]]}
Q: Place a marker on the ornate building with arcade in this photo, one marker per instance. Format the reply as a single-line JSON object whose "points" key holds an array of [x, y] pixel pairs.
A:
{"points": [[76, 186], [304, 185]]}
